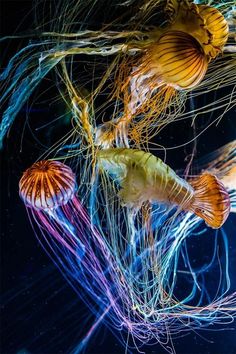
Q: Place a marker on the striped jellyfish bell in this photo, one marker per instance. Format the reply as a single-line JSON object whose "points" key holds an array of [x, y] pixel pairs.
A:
{"points": [[216, 24], [178, 60], [47, 185]]}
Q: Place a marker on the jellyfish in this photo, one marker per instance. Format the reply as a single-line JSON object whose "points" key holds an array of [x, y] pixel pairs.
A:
{"points": [[129, 267], [146, 178], [47, 185], [118, 222], [176, 60], [48, 190], [143, 93]]}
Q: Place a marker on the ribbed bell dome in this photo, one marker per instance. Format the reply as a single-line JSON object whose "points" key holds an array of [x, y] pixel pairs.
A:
{"points": [[216, 25], [178, 59], [47, 185]]}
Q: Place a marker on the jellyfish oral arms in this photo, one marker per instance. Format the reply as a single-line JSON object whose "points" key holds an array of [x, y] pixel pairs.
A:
{"points": [[47, 185], [143, 177]]}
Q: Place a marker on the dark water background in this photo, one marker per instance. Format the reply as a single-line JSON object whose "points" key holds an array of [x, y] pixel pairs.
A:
{"points": [[41, 314]]}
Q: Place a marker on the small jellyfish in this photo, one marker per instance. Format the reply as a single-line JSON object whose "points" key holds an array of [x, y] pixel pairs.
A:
{"points": [[47, 185], [48, 190], [143, 177]]}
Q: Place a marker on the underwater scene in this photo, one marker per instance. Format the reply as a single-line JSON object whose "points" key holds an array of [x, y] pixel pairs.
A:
{"points": [[118, 177]]}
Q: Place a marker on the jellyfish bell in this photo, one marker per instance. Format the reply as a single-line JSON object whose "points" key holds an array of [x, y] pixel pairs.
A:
{"points": [[216, 24], [177, 60], [47, 185], [212, 200], [205, 23]]}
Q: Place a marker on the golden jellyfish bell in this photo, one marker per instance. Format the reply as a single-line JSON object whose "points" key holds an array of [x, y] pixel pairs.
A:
{"points": [[47, 185], [216, 24], [178, 60], [205, 23]]}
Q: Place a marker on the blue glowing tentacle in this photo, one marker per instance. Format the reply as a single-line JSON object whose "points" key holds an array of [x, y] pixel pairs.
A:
{"points": [[22, 92]]}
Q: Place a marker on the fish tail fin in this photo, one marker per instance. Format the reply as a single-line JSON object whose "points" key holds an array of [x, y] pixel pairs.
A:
{"points": [[211, 200]]}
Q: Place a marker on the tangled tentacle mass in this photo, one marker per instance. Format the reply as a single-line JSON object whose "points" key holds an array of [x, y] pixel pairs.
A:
{"points": [[116, 218]]}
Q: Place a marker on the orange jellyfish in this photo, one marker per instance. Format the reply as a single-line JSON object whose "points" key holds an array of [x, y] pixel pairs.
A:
{"points": [[174, 59], [146, 178], [47, 185]]}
